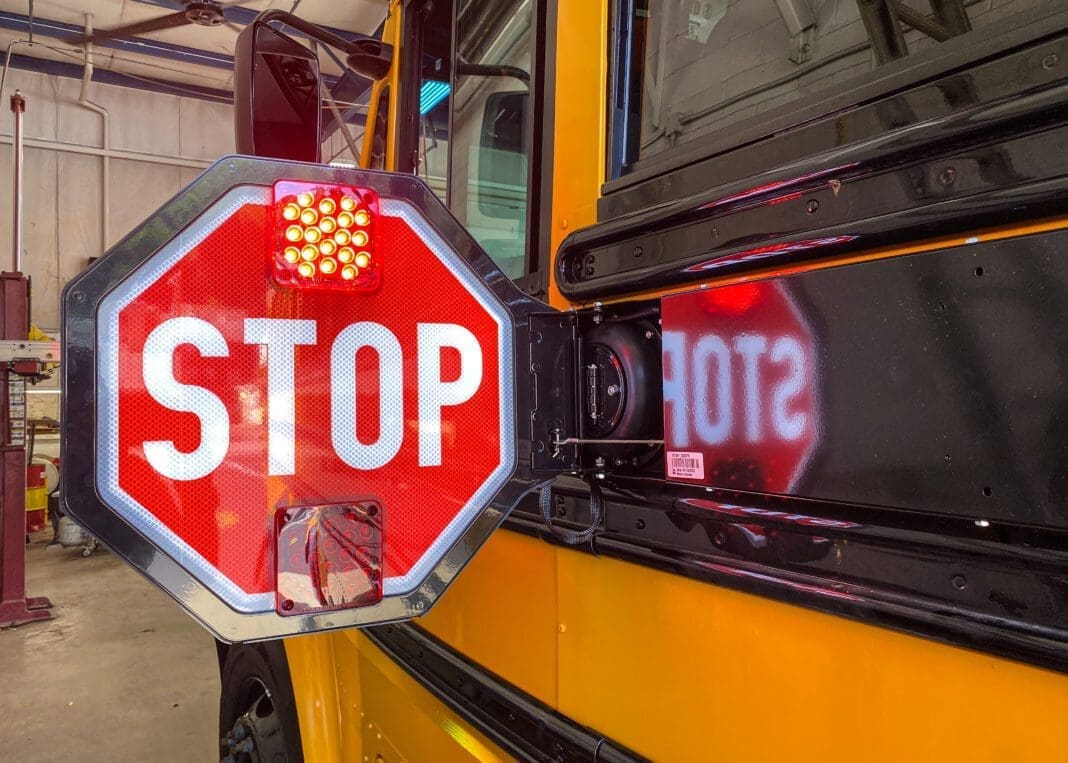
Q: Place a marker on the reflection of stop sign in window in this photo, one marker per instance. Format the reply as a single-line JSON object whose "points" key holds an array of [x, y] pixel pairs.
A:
{"points": [[739, 388]]}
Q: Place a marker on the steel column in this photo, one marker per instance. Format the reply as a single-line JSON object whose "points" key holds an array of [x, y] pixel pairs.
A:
{"points": [[18, 107]]}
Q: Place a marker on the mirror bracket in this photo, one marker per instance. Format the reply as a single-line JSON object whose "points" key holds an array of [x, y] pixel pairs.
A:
{"points": [[367, 56]]}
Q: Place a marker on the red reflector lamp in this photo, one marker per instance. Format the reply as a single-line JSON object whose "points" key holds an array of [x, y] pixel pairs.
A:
{"points": [[328, 557], [324, 236]]}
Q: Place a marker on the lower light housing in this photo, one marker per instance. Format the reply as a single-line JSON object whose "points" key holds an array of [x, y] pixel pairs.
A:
{"points": [[328, 557]]}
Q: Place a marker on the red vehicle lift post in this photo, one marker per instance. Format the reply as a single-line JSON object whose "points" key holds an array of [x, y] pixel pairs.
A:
{"points": [[15, 607]]}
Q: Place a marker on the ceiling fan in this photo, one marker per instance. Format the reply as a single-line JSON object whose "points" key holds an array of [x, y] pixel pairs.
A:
{"points": [[199, 12]]}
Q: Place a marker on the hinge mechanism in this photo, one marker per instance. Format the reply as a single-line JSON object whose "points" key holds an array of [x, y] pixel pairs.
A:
{"points": [[597, 389]]}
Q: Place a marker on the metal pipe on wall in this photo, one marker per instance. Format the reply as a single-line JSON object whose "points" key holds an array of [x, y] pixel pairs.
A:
{"points": [[105, 118], [18, 107], [7, 60], [114, 153]]}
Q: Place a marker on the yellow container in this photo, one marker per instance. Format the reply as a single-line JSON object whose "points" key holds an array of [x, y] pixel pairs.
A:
{"points": [[36, 498]]}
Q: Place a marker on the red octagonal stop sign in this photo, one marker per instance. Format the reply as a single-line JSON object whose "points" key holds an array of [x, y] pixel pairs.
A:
{"points": [[375, 415]]}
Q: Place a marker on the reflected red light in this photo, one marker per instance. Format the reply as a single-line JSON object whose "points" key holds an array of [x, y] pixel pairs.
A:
{"points": [[732, 300], [765, 188], [768, 251]]}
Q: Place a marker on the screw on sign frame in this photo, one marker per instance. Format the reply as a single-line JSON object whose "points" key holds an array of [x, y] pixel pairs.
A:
{"points": [[210, 260]]}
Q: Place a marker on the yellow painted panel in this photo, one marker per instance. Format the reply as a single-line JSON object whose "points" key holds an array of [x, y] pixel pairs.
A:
{"points": [[501, 612], [399, 719], [579, 130], [350, 696], [311, 669], [354, 703], [683, 670], [391, 33]]}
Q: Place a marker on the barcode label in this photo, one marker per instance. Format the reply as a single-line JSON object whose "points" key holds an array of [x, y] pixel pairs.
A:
{"points": [[689, 466]]}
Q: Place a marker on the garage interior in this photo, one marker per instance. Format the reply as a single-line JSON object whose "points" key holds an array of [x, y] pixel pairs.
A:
{"points": [[110, 131]]}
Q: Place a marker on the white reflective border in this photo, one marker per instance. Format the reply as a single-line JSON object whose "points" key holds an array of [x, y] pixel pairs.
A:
{"points": [[499, 476], [108, 393], [107, 385]]}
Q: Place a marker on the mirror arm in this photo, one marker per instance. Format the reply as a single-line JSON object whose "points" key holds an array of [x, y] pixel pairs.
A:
{"points": [[368, 57], [493, 70], [308, 28]]}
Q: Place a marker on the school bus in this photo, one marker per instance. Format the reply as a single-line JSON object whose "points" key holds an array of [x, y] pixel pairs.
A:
{"points": [[815, 504]]}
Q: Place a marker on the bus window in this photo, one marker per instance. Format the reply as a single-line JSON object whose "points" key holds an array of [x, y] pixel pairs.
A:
{"points": [[489, 136], [694, 68]]}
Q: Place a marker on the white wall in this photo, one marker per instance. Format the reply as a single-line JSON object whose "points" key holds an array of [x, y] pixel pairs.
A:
{"points": [[63, 211]]}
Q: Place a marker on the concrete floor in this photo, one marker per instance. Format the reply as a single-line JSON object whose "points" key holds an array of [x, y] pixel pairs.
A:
{"points": [[120, 673]]}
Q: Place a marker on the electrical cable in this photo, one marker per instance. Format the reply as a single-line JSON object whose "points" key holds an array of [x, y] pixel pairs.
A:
{"points": [[574, 537]]}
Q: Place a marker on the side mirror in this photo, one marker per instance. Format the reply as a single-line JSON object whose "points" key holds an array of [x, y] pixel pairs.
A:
{"points": [[276, 96]]}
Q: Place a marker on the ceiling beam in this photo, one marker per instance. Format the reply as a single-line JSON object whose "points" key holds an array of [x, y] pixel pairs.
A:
{"points": [[347, 87], [105, 77], [68, 33], [245, 16], [71, 34]]}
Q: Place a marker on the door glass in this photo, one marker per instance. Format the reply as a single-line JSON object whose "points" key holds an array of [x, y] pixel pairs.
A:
{"points": [[490, 135], [434, 134]]}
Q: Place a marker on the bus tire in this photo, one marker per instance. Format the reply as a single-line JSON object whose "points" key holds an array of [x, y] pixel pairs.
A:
{"points": [[257, 709]]}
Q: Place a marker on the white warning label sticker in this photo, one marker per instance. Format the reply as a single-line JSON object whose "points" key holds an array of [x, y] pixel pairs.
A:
{"points": [[686, 465]]}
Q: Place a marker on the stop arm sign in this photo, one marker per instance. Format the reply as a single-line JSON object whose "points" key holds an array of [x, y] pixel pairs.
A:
{"points": [[292, 398]]}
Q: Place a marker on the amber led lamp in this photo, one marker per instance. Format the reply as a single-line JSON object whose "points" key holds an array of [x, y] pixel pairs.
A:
{"points": [[314, 225]]}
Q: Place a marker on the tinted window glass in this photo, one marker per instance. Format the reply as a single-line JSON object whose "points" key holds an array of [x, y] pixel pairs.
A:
{"points": [[691, 68]]}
